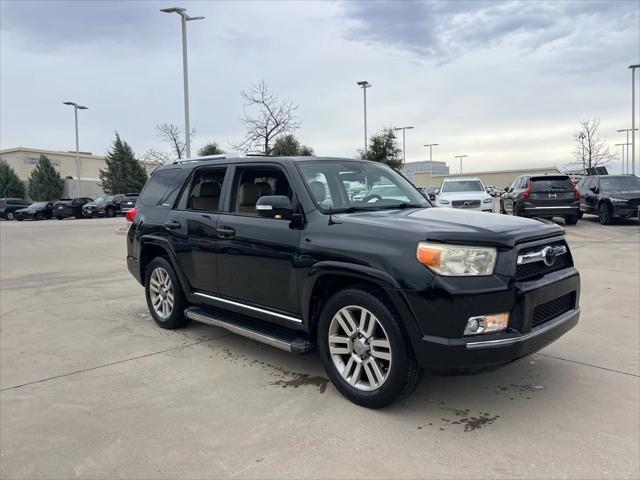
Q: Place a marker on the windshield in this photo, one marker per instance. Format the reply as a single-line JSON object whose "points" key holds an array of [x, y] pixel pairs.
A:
{"points": [[108, 199], [351, 185], [620, 183], [99, 200], [462, 186], [38, 205]]}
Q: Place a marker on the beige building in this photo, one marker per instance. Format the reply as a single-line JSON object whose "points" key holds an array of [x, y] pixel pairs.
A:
{"points": [[496, 178], [23, 160]]}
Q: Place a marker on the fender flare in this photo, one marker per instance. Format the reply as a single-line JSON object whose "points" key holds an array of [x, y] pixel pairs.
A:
{"points": [[166, 246]]}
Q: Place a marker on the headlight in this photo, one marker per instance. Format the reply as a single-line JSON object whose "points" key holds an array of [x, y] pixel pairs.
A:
{"points": [[457, 260], [444, 202], [619, 200], [487, 200]]}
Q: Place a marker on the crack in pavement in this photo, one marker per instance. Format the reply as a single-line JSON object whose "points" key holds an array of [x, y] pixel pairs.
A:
{"points": [[588, 365], [179, 347]]}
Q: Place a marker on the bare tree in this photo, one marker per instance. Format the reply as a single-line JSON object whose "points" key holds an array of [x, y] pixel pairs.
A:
{"points": [[270, 118], [175, 138], [590, 149]]}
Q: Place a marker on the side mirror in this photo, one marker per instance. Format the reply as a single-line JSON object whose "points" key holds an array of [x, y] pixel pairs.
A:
{"points": [[274, 206], [594, 189], [432, 197]]}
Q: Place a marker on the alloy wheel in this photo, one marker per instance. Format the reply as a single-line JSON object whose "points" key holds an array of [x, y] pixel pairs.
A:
{"points": [[10, 216], [161, 292], [360, 348]]}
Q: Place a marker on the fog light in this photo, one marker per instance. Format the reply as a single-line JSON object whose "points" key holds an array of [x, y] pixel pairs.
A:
{"points": [[487, 324]]}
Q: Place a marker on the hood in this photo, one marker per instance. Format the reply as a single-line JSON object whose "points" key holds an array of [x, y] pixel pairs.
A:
{"points": [[457, 226], [464, 195], [626, 194]]}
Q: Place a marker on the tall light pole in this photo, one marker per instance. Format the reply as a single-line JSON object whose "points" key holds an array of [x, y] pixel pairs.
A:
{"points": [[404, 156], [633, 117], [627, 144], [460, 157], [77, 107], [364, 85], [184, 18], [622, 147], [431, 145], [581, 137]]}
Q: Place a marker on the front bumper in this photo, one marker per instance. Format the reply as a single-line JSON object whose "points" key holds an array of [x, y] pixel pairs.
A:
{"points": [[522, 338], [484, 207]]}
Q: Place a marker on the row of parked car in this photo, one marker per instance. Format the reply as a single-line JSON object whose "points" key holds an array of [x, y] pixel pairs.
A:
{"points": [[610, 197], [81, 207]]}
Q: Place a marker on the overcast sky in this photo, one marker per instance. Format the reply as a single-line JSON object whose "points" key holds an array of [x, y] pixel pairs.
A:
{"points": [[503, 82]]}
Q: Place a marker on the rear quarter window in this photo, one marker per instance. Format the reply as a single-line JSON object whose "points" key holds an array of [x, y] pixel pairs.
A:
{"points": [[163, 188]]}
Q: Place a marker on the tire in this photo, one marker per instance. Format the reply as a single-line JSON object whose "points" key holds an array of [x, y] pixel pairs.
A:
{"points": [[571, 219], [604, 214], [353, 374], [9, 216], [39, 216], [160, 272], [580, 214], [110, 212], [79, 216], [59, 218]]}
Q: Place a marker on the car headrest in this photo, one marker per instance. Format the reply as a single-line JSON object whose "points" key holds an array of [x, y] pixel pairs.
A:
{"points": [[249, 193], [210, 189], [318, 190]]}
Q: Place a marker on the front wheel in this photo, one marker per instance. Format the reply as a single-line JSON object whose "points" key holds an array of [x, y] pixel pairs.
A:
{"points": [[365, 349], [604, 214], [110, 213], [165, 299], [9, 216]]}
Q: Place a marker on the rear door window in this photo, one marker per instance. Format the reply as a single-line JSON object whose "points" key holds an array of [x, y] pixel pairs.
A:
{"points": [[551, 184], [162, 188]]}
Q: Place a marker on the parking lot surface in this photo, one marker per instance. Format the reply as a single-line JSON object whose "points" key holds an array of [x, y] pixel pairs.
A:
{"points": [[91, 388]]}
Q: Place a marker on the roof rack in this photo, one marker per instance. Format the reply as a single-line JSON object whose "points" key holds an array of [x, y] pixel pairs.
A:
{"points": [[200, 159]]}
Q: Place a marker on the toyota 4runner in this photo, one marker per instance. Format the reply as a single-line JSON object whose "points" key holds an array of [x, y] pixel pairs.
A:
{"points": [[278, 250]]}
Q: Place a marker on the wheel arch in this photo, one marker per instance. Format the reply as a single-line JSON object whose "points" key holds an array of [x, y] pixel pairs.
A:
{"points": [[152, 247]]}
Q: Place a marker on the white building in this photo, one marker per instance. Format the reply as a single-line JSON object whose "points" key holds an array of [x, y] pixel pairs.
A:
{"points": [[410, 169]]}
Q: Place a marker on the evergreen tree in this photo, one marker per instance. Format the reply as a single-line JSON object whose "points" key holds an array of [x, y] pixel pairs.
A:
{"points": [[211, 148], [289, 146], [10, 185], [45, 183], [384, 148], [124, 173]]}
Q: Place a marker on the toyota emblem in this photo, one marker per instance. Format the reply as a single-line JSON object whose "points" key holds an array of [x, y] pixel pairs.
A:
{"points": [[549, 256]]}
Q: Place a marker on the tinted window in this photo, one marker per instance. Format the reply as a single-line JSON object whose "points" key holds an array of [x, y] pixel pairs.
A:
{"points": [[205, 189], [162, 188], [620, 183], [551, 184]]}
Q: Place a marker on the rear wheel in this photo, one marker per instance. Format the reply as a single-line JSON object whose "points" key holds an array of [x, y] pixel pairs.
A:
{"points": [[365, 349], [165, 298], [571, 219], [604, 214], [110, 212], [10, 216]]}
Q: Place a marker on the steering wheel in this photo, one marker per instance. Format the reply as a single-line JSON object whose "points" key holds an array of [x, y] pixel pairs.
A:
{"points": [[374, 197]]}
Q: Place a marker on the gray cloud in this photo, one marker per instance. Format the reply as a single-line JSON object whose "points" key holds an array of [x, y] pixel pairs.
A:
{"points": [[441, 31]]}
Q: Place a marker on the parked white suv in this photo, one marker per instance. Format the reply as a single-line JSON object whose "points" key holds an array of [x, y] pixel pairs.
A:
{"points": [[466, 193]]}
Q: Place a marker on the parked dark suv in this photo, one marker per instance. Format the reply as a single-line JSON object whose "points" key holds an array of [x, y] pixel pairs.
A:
{"points": [[276, 250], [610, 197], [112, 205], [544, 196], [8, 206]]}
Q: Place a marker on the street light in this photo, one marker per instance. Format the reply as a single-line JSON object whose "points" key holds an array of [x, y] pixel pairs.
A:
{"points": [[431, 145], [184, 18], [77, 107], [627, 144], [581, 137], [404, 157], [460, 157], [622, 145], [633, 116], [364, 85]]}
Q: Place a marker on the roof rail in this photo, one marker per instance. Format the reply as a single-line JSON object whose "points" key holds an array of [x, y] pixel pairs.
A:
{"points": [[200, 159]]}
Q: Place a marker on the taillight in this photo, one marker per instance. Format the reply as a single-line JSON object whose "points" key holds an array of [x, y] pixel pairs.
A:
{"points": [[577, 191], [131, 214], [525, 195]]}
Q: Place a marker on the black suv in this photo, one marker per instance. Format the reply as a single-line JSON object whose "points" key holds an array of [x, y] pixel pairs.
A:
{"points": [[544, 196], [610, 197], [111, 206], [277, 250], [67, 207], [8, 206]]}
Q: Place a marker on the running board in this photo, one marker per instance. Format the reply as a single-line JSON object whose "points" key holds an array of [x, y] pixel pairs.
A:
{"points": [[277, 337]]}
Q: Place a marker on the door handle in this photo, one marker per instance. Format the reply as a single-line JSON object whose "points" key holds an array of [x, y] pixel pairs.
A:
{"points": [[226, 232], [172, 224]]}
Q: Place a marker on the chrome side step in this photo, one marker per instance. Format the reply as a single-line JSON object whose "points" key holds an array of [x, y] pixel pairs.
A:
{"points": [[277, 337]]}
